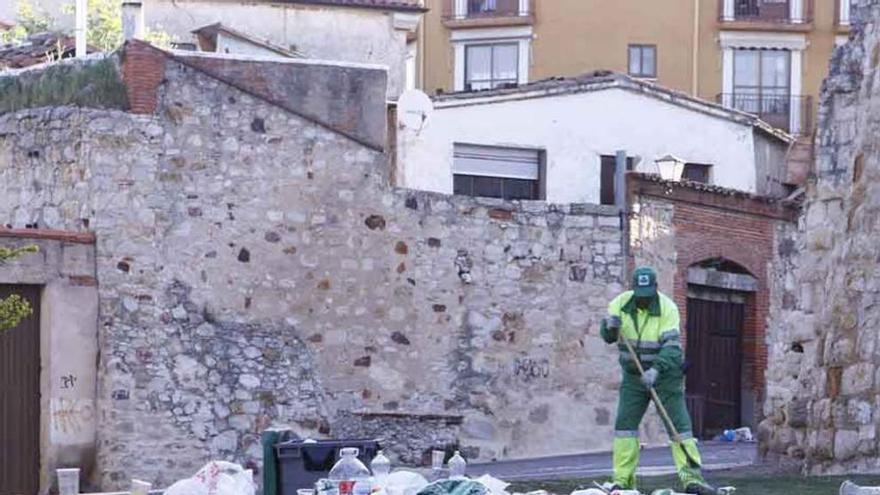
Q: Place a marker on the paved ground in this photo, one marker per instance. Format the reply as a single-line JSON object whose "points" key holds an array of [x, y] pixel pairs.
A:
{"points": [[655, 461]]}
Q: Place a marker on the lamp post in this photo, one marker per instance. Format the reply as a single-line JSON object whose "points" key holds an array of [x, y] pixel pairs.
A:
{"points": [[670, 167]]}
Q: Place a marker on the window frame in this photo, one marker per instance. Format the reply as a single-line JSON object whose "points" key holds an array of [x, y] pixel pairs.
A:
{"points": [[641, 47], [492, 81], [539, 185], [706, 167], [603, 191]]}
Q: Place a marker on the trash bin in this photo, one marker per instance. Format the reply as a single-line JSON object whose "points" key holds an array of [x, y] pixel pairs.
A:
{"points": [[301, 464]]}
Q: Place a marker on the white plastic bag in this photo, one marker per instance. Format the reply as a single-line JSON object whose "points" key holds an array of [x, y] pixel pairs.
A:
{"points": [[216, 478]]}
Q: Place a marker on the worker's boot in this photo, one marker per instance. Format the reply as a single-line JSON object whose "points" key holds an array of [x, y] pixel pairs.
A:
{"points": [[700, 488]]}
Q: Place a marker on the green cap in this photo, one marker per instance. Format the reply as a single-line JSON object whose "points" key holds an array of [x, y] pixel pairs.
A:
{"points": [[645, 282]]}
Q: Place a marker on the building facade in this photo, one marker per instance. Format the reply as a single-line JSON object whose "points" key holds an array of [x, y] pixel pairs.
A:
{"points": [[557, 141], [377, 32], [763, 56]]}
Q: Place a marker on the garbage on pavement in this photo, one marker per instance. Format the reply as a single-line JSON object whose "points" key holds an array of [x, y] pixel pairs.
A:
{"points": [[850, 488], [216, 478], [743, 434]]}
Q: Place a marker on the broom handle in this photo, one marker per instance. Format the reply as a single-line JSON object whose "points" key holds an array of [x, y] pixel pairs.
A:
{"points": [[632, 352]]}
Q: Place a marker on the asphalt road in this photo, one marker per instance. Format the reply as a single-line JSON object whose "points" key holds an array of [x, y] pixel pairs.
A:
{"points": [[654, 461]]}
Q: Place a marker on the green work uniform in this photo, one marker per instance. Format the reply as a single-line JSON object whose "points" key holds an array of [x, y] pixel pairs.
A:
{"points": [[654, 334]]}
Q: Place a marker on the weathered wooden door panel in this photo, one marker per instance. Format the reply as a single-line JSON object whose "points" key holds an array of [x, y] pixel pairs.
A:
{"points": [[20, 399], [714, 332]]}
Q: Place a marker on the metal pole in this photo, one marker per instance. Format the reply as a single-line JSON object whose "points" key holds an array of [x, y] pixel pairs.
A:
{"points": [[81, 27]]}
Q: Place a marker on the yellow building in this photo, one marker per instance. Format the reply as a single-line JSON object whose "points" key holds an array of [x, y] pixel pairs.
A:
{"points": [[767, 57]]}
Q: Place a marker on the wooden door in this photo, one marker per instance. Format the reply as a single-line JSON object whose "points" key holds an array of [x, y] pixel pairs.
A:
{"points": [[20, 399], [714, 340]]}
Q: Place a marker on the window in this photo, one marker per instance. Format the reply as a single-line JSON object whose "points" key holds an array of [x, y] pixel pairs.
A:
{"points": [[607, 191], [697, 172], [761, 84], [491, 66], [643, 60], [494, 172]]}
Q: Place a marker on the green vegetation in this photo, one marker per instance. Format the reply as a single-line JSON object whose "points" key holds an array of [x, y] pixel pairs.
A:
{"points": [[92, 84], [13, 309], [746, 483], [104, 25]]}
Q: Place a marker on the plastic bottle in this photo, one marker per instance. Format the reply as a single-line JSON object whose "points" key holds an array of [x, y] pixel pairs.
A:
{"points": [[381, 467], [457, 466], [348, 470]]}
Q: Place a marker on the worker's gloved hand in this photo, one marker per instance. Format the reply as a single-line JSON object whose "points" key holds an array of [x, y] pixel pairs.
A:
{"points": [[613, 322], [650, 377], [611, 325]]}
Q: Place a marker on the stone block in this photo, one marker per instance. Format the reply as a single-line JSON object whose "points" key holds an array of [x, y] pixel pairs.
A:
{"points": [[846, 444]]}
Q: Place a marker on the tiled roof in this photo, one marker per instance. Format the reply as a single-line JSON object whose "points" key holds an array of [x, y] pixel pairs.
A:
{"points": [[36, 49], [407, 5], [601, 80], [208, 40]]}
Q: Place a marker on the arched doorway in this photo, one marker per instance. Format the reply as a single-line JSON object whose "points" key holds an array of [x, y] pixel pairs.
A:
{"points": [[718, 299]]}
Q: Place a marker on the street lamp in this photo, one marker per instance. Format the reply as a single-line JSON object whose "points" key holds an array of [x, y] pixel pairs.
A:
{"points": [[670, 167]]}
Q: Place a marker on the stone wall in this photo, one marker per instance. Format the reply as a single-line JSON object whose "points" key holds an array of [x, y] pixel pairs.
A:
{"points": [[255, 268], [823, 373]]}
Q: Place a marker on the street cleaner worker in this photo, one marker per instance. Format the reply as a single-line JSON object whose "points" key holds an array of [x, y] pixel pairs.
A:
{"points": [[647, 321]]}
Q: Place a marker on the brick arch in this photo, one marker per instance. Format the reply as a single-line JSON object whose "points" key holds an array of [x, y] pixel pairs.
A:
{"points": [[741, 238]]}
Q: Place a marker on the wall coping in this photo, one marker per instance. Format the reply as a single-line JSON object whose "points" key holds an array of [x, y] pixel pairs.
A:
{"points": [[50, 235], [639, 184]]}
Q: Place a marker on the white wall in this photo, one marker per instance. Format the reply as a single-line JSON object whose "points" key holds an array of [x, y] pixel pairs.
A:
{"points": [[368, 35], [575, 130]]}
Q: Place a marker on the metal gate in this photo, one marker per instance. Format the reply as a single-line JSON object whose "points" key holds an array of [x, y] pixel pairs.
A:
{"points": [[20, 399], [714, 341]]}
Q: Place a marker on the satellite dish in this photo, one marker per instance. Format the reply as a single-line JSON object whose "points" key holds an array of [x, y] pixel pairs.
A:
{"points": [[414, 109]]}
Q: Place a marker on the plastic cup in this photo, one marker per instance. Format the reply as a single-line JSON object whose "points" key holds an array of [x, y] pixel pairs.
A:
{"points": [[68, 481], [437, 457]]}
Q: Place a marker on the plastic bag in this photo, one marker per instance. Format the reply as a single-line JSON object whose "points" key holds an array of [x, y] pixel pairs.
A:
{"points": [[216, 478], [404, 483]]}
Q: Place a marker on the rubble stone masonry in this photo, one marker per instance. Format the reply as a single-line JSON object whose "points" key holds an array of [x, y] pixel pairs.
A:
{"points": [[256, 269], [823, 375]]}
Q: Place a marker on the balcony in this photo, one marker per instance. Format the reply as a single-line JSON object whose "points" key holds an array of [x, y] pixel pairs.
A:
{"points": [[487, 13], [793, 114], [774, 15]]}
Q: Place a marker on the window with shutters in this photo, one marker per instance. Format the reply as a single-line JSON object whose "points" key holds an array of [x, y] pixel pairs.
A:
{"points": [[607, 191], [496, 172]]}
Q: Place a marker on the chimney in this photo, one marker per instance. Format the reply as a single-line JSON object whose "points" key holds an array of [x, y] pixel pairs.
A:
{"points": [[132, 19], [81, 15]]}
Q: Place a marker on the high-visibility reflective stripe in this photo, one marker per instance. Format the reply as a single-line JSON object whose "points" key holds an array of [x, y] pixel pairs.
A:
{"points": [[626, 434], [686, 435], [671, 334], [649, 349], [642, 357], [672, 343]]}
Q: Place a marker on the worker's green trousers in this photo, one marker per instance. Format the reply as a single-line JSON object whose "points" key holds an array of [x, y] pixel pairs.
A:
{"points": [[633, 402]]}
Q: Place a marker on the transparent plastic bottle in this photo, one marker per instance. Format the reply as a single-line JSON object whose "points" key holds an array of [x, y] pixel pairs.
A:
{"points": [[348, 470], [457, 466], [381, 467]]}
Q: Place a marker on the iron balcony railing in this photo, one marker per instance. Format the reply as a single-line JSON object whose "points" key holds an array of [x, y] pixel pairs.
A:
{"points": [[765, 11], [487, 9], [793, 114]]}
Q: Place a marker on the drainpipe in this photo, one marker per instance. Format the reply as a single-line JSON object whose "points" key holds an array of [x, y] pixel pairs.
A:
{"points": [[695, 63], [422, 49], [80, 28]]}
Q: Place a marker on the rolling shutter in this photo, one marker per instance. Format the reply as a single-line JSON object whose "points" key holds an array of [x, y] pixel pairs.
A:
{"points": [[490, 161]]}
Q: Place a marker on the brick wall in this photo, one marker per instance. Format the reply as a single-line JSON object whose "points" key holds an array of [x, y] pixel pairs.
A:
{"points": [[143, 69], [679, 225]]}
